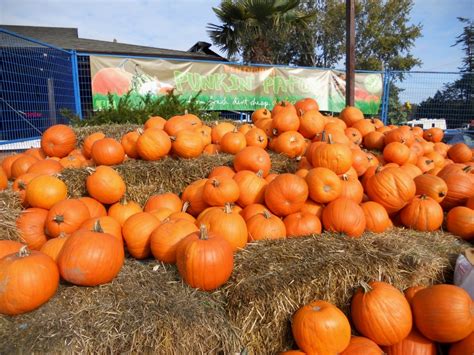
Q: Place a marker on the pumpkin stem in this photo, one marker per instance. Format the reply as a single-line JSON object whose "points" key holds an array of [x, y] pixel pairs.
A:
{"points": [[441, 194], [275, 131], [260, 173], [323, 136], [301, 112], [140, 131], [330, 141], [266, 214], [228, 208], [58, 219], [97, 227], [423, 197], [203, 235], [215, 183], [185, 206], [24, 251], [316, 308], [260, 139], [90, 170], [366, 287], [186, 112], [345, 177]]}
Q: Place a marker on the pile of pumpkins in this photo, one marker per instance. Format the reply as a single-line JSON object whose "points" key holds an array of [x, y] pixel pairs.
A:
{"points": [[339, 187], [389, 322]]}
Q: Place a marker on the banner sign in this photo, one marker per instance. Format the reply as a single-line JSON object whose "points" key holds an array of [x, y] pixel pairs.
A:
{"points": [[228, 86]]}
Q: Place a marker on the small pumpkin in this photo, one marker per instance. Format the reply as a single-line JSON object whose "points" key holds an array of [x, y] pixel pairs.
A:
{"points": [[321, 328], [422, 214], [122, 210], [460, 222], [21, 165], [376, 217], [54, 246], [136, 232], [253, 159], [166, 200], [411, 291], [351, 115], [431, 186], [414, 343], [219, 130], [104, 224], [286, 194], [193, 197], [334, 156], [44, 191], [107, 151], [460, 153], [324, 185], [220, 190], [205, 260], [29, 279], [20, 184], [256, 137], [187, 144], [301, 224], [58, 141], [362, 346], [153, 144], [65, 217], [96, 209], [252, 187], [89, 142], [47, 167], [233, 142], [311, 123], [221, 171], [31, 224], [129, 144], [265, 225], [105, 185]]}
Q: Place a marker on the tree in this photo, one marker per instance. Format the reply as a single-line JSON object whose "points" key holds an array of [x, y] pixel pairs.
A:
{"points": [[455, 101], [255, 29]]}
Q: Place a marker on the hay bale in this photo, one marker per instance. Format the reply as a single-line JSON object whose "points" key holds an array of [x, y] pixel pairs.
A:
{"points": [[10, 208], [141, 311], [144, 178], [115, 131], [271, 280]]}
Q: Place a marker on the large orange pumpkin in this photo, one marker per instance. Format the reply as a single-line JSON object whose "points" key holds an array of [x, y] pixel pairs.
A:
{"points": [[431, 186], [344, 215], [443, 313], [351, 115], [376, 217], [90, 258], [381, 313], [462, 347], [65, 217], [105, 185], [136, 232], [28, 279], [323, 184], [252, 187], [107, 151], [205, 260], [153, 144], [321, 328], [44, 191], [167, 200], [187, 144], [422, 214], [286, 194], [265, 225], [253, 159], [302, 223]]}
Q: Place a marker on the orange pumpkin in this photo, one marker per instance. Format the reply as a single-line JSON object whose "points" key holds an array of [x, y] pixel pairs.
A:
{"points": [[462, 347], [233, 142], [54, 246], [47, 167], [153, 144], [321, 328], [221, 171], [129, 144], [362, 346], [89, 142], [323, 184], [21, 165], [260, 114], [193, 197], [96, 209], [431, 186], [411, 291], [460, 221], [105, 185], [334, 156], [167, 200], [58, 141], [29, 279], [343, 215], [422, 214], [187, 144], [155, 122], [286, 194], [311, 123], [301, 223], [220, 190], [136, 232], [65, 217], [252, 210], [219, 130], [351, 115], [124, 209], [414, 343], [256, 137], [44, 191], [104, 224], [376, 217], [8, 247], [265, 225], [253, 159], [443, 313], [306, 104], [381, 313], [252, 187]]}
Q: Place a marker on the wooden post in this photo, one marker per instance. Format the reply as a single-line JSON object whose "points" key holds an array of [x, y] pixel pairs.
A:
{"points": [[350, 52]]}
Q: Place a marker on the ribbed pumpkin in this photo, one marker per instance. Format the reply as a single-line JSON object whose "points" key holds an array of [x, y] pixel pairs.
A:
{"points": [[205, 260], [462, 347], [364, 127], [302, 223], [252, 210], [221, 171], [396, 152], [58, 141], [90, 258], [313, 207], [443, 313], [431, 186], [155, 122], [411, 291], [392, 188], [30, 225], [129, 144], [285, 120], [460, 221], [460, 153], [351, 115], [167, 200], [219, 130], [460, 188], [286, 194], [321, 328], [153, 144], [104, 224], [187, 144], [256, 137], [311, 123], [265, 226], [47, 167], [253, 159], [362, 346], [165, 238], [470, 203], [260, 114], [220, 190], [414, 343], [29, 279], [107, 151], [122, 210], [360, 161], [193, 196], [105, 185], [343, 215], [252, 187], [374, 140], [289, 143], [136, 232], [354, 135], [306, 104], [21, 165], [65, 217], [376, 217], [422, 214], [179, 123], [381, 313], [19, 186], [233, 142], [351, 188], [334, 156], [433, 134], [89, 142], [226, 223], [54, 246], [96, 209], [8, 247]]}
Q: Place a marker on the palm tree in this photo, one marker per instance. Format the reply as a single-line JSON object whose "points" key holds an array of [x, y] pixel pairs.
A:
{"points": [[256, 29]]}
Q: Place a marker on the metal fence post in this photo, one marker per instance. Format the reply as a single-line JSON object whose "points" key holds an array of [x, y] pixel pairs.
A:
{"points": [[386, 94], [75, 78]]}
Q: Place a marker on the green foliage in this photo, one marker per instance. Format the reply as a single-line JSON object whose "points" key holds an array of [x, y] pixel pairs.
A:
{"points": [[122, 110]]}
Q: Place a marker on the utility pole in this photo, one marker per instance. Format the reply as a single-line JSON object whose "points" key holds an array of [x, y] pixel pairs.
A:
{"points": [[350, 52]]}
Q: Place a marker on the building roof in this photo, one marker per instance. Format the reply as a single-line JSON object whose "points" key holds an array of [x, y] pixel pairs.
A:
{"points": [[68, 38]]}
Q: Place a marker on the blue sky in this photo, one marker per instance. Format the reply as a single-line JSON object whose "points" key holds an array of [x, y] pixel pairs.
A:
{"points": [[178, 24]]}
